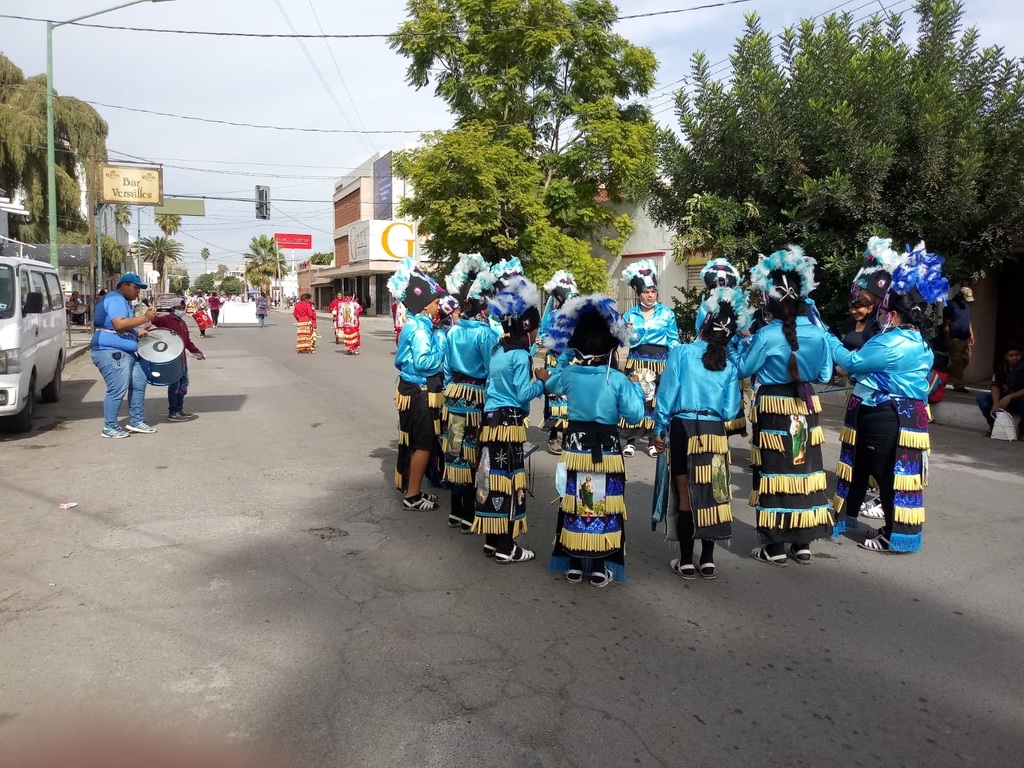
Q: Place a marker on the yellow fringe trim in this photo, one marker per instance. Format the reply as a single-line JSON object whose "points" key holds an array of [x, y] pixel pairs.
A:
{"points": [[722, 513], [651, 365], [613, 505], [591, 542], [837, 503], [460, 391], [708, 444], [738, 423], [817, 516], [459, 475], [403, 438], [402, 402], [817, 436], [472, 418], [755, 456], [398, 480], [844, 472], [752, 415], [908, 483], [787, 406], [503, 434], [559, 410], [917, 440], [772, 442], [701, 475], [792, 485], [437, 427], [498, 525], [754, 498], [504, 484], [848, 435], [909, 515], [582, 462], [435, 399]]}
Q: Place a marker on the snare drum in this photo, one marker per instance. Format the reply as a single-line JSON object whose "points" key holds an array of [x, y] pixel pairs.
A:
{"points": [[161, 355]]}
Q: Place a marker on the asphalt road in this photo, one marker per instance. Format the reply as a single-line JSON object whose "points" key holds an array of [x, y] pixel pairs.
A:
{"points": [[252, 577]]}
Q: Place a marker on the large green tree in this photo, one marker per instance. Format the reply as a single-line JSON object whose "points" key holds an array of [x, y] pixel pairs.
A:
{"points": [[546, 129], [850, 131], [161, 252], [206, 283], [231, 286], [79, 132], [263, 262]]}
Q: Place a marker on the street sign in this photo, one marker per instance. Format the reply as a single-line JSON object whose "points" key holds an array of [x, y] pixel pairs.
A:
{"points": [[301, 242], [131, 184]]}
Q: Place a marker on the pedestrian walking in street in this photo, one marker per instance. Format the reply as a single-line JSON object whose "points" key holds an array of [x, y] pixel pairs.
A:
{"points": [[115, 342], [1007, 390], [305, 321], [501, 479], [198, 306], [698, 397], [653, 332], [419, 397], [174, 321], [262, 309], [560, 288], [590, 535], [886, 428], [788, 356], [467, 357], [216, 302], [335, 317], [958, 333]]}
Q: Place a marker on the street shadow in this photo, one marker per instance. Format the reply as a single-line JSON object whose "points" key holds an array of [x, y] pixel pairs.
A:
{"points": [[50, 416]]}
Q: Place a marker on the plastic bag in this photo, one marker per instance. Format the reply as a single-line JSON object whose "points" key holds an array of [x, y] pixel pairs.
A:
{"points": [[1004, 428]]}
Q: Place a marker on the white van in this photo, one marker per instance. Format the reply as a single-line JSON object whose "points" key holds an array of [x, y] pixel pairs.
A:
{"points": [[33, 339]]}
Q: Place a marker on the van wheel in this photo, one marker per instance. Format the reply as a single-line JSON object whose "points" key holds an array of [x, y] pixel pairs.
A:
{"points": [[22, 422], [51, 392]]}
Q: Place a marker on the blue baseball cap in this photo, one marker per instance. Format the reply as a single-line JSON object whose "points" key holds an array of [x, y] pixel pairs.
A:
{"points": [[131, 277]]}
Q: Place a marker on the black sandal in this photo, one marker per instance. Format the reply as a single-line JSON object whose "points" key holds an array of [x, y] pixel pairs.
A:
{"points": [[801, 553], [708, 571], [761, 555]]}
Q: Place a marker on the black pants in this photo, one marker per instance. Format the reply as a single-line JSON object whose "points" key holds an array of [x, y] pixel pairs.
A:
{"points": [[215, 315], [684, 531], [878, 432], [503, 543]]}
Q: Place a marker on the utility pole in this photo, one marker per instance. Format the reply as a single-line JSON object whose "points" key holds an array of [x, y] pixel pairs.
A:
{"points": [[91, 197]]}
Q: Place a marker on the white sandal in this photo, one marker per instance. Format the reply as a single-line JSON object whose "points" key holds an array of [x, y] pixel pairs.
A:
{"points": [[685, 571], [876, 543], [519, 555], [761, 555], [628, 451], [601, 580]]}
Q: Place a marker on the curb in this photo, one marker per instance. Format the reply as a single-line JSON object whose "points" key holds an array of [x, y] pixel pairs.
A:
{"points": [[75, 352], [949, 413]]}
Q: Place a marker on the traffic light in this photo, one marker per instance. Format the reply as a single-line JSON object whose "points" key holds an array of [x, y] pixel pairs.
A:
{"points": [[262, 202]]}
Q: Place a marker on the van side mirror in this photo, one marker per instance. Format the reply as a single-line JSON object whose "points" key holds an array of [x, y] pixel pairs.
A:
{"points": [[33, 303]]}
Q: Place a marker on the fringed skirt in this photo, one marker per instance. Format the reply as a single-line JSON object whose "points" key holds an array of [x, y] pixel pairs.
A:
{"points": [[556, 407], [419, 426], [501, 475], [351, 338], [592, 513], [305, 340], [647, 361], [700, 449], [788, 474], [463, 413], [909, 471]]}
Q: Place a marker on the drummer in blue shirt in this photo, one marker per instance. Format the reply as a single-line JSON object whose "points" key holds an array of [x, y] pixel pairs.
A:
{"points": [[115, 343]]}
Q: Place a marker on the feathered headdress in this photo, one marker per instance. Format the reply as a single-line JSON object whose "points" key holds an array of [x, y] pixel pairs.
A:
{"points": [[517, 305], [448, 305], [641, 275], [573, 326], [772, 275], [726, 304], [719, 273], [483, 286], [921, 271], [505, 270], [462, 276], [563, 284], [875, 275], [412, 287]]}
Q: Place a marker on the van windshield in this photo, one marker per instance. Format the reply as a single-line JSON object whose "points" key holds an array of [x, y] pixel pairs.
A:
{"points": [[6, 291]]}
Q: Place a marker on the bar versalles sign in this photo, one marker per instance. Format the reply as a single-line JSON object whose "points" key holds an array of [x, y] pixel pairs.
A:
{"points": [[132, 185]]}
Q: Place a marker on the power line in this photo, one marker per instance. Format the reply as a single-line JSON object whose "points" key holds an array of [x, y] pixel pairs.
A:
{"points": [[247, 125], [377, 35]]}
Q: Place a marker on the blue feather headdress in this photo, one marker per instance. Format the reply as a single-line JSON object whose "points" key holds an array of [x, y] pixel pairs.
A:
{"points": [[506, 269], [565, 320], [462, 276], [413, 287], [792, 260], [483, 286], [720, 273], [641, 275], [728, 301], [920, 270], [514, 300]]}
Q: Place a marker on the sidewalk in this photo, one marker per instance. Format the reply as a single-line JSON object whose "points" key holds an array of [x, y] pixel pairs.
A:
{"points": [[957, 409]]}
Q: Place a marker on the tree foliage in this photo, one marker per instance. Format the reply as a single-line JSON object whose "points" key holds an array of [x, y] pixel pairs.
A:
{"points": [[169, 223], [231, 286], [160, 252], [849, 132], [540, 91], [79, 132], [263, 262], [179, 284], [322, 259], [206, 282]]}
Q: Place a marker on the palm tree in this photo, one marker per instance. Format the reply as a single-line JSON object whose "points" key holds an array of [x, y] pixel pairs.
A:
{"points": [[264, 262], [205, 254], [169, 223], [159, 251], [123, 215]]}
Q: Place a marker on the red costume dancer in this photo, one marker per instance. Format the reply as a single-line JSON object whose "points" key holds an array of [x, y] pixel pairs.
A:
{"points": [[305, 319], [346, 320]]}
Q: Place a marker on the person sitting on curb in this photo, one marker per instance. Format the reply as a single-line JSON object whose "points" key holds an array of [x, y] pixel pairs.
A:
{"points": [[174, 321], [1007, 392]]}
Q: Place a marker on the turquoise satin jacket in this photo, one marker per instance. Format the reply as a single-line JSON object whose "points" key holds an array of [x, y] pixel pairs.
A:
{"points": [[691, 391], [597, 393], [510, 382], [419, 352], [895, 363], [660, 328], [766, 353], [470, 343]]}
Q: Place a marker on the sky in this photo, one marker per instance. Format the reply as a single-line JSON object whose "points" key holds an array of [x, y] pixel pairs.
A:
{"points": [[360, 86]]}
